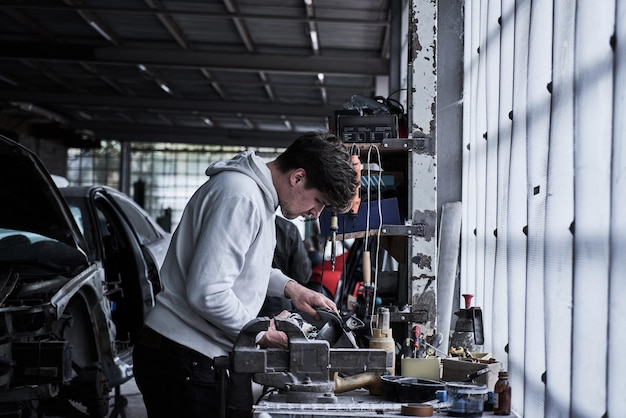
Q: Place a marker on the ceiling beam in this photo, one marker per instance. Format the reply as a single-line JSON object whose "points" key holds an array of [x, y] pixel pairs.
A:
{"points": [[169, 103], [178, 12], [174, 134], [196, 59]]}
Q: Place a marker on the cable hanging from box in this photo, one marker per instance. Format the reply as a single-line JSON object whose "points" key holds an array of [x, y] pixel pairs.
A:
{"points": [[366, 252]]}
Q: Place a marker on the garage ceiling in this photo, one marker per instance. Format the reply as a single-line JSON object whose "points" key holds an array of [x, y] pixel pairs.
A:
{"points": [[251, 72]]}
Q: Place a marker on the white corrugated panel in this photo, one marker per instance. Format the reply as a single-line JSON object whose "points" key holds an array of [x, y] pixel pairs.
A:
{"points": [[562, 158], [479, 149], [593, 84], [492, 70], [617, 285], [500, 313], [518, 223], [471, 57], [537, 137], [560, 216]]}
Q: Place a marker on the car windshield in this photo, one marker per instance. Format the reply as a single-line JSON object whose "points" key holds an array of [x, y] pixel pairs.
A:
{"points": [[33, 254]]}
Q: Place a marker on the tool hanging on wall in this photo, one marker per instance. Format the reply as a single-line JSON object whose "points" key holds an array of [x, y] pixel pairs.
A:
{"points": [[366, 300], [334, 227], [417, 343], [369, 284], [356, 162], [354, 209]]}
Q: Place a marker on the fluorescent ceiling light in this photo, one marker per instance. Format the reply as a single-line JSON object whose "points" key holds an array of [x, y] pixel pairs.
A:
{"points": [[100, 30], [314, 41], [286, 122], [8, 80], [324, 95], [37, 110], [84, 115], [164, 87]]}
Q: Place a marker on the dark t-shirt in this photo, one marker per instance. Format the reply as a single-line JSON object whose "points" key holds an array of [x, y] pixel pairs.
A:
{"points": [[292, 258]]}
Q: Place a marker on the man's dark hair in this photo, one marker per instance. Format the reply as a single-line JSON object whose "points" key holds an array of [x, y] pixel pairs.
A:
{"points": [[328, 167]]}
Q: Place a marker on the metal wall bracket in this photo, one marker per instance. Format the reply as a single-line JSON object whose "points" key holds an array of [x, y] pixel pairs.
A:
{"points": [[403, 230], [422, 145]]}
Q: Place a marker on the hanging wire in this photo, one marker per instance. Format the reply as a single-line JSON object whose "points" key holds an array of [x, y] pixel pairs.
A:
{"points": [[380, 218], [367, 220]]}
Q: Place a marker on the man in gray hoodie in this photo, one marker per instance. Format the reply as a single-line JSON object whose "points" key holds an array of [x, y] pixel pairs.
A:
{"points": [[218, 271]]}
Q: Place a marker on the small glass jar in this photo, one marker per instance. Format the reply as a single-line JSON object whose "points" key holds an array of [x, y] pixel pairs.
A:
{"points": [[502, 395], [466, 399]]}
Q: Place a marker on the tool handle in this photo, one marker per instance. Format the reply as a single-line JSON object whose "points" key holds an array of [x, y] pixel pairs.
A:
{"points": [[416, 336], [468, 299], [367, 268], [476, 374]]}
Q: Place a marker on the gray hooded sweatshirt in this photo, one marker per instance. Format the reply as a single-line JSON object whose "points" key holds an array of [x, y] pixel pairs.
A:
{"points": [[218, 268]]}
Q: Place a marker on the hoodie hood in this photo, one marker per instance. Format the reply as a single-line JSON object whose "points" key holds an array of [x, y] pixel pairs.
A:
{"points": [[252, 166]]}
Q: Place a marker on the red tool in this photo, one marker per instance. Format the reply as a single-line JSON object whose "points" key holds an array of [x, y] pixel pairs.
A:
{"points": [[356, 162], [468, 300], [416, 340]]}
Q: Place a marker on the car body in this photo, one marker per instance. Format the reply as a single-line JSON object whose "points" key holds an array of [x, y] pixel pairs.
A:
{"points": [[66, 325], [128, 243]]}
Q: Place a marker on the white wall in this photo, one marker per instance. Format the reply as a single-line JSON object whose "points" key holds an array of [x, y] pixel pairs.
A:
{"points": [[544, 167]]}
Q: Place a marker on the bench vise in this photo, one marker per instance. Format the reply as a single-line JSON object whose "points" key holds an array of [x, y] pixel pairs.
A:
{"points": [[302, 373]]}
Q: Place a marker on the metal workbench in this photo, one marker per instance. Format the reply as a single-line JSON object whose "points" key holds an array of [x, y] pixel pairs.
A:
{"points": [[356, 403]]}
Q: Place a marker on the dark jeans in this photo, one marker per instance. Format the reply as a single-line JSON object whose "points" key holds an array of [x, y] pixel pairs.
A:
{"points": [[176, 381]]}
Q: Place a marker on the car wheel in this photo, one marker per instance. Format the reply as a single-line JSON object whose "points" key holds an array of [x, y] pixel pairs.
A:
{"points": [[90, 387], [94, 392]]}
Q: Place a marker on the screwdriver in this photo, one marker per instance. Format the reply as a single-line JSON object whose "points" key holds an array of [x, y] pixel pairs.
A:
{"points": [[416, 340], [334, 227]]}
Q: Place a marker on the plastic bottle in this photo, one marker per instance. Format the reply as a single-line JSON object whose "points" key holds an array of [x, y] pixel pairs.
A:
{"points": [[382, 338], [502, 395]]}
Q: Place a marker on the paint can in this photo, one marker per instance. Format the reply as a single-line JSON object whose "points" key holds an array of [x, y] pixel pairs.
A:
{"points": [[466, 399]]}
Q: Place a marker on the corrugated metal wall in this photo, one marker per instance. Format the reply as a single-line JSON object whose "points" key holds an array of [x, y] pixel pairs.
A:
{"points": [[544, 172]]}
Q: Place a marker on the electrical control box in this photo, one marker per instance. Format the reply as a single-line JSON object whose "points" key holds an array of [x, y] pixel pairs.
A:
{"points": [[372, 128]]}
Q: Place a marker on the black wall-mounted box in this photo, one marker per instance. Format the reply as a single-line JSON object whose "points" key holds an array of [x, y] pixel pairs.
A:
{"points": [[373, 128]]}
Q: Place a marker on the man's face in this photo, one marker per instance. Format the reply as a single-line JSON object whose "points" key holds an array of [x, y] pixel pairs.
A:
{"points": [[299, 201]]}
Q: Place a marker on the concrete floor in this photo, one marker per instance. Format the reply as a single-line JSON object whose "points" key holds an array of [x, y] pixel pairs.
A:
{"points": [[135, 407]]}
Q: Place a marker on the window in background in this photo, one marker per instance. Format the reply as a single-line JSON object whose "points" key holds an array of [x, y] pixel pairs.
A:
{"points": [[164, 175]]}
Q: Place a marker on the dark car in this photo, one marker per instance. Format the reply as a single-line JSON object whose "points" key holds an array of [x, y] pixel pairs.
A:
{"points": [[129, 244], [70, 301]]}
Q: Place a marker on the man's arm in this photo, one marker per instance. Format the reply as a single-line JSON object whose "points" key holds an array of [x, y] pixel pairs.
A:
{"points": [[303, 299], [306, 300]]}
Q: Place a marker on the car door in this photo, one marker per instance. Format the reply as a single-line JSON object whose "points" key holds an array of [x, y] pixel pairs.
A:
{"points": [[129, 274]]}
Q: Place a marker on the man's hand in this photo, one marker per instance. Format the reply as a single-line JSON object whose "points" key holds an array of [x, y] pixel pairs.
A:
{"points": [[306, 300], [274, 338]]}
